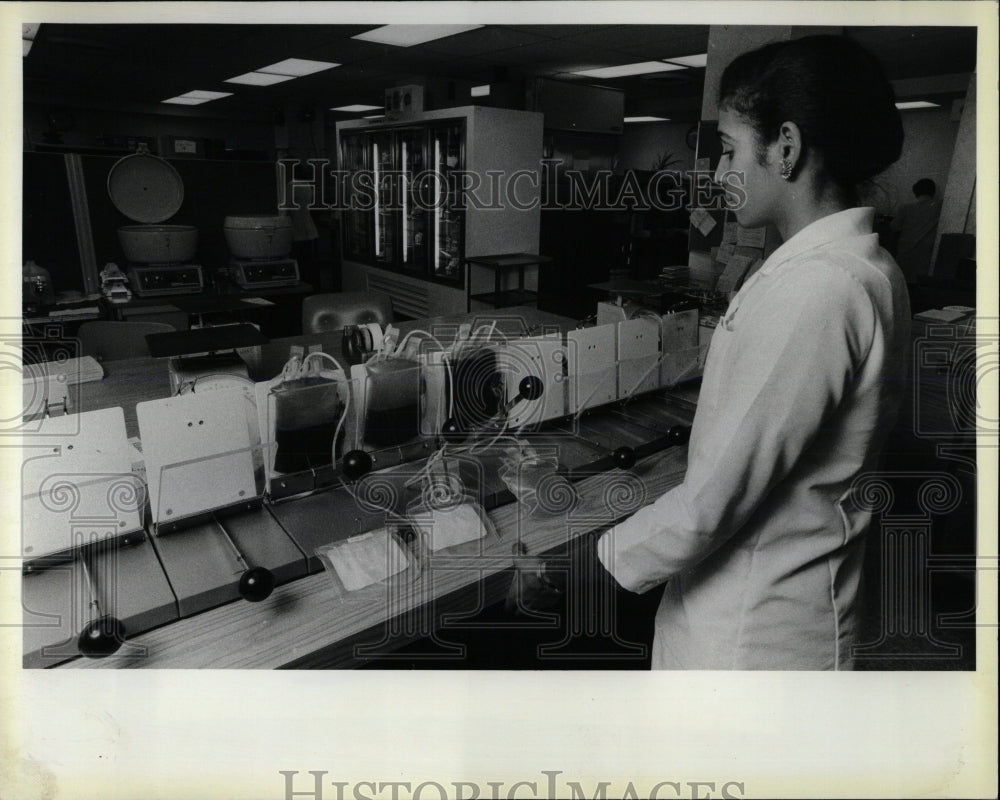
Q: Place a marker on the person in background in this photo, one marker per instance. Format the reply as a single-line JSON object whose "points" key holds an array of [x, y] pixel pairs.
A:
{"points": [[760, 547], [305, 235], [916, 226]]}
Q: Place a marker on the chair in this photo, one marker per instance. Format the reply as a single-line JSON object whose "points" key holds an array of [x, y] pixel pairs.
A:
{"points": [[331, 312], [111, 341]]}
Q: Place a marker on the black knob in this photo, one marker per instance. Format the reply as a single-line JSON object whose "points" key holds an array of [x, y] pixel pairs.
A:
{"points": [[679, 434], [256, 584], [624, 457], [530, 387], [356, 463], [101, 637]]}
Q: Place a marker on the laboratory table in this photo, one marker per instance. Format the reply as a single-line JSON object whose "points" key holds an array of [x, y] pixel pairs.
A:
{"points": [[307, 621]]}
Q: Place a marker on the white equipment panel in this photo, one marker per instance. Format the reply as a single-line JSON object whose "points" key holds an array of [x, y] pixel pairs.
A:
{"points": [[682, 358], [83, 473], [638, 356], [544, 357], [434, 399], [592, 369], [197, 452]]}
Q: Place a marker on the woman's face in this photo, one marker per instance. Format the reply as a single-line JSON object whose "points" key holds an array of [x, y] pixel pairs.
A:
{"points": [[753, 190]]}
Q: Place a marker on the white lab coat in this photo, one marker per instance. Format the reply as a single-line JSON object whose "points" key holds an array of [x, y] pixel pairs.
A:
{"points": [[761, 546]]}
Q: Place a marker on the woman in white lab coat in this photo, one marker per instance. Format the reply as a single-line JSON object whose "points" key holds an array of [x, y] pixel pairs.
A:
{"points": [[760, 548]]}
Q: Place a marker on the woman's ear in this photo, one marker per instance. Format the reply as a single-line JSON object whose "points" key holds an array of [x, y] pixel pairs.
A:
{"points": [[789, 144]]}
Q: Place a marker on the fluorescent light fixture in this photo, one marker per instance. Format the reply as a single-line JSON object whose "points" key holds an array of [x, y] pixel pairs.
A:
{"points": [[647, 119], [195, 97], [27, 45], [374, 116], [202, 94], [625, 70], [259, 79], [297, 67], [699, 60], [409, 35], [357, 108], [480, 91], [916, 104]]}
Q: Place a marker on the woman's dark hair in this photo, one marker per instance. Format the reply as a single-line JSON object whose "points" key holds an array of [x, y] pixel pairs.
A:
{"points": [[833, 89]]}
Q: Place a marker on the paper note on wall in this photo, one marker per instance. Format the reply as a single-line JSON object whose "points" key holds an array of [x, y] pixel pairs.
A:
{"points": [[734, 273], [725, 253], [703, 221], [751, 237]]}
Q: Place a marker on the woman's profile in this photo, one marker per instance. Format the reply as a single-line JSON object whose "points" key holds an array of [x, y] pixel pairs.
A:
{"points": [[761, 545]]}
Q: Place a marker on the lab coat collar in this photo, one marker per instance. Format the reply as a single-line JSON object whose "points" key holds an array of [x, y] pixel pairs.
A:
{"points": [[841, 225]]}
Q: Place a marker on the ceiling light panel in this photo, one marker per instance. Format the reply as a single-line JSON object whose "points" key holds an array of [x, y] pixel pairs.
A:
{"points": [[196, 97], [480, 91], [647, 119], [409, 35], [356, 108], [627, 70], [259, 79], [202, 94], [298, 67], [916, 104]]}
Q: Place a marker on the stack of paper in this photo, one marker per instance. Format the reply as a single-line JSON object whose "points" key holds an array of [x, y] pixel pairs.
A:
{"points": [[950, 314], [675, 275], [70, 371], [363, 560]]}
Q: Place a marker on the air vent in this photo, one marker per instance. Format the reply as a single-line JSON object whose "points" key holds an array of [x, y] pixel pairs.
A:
{"points": [[408, 299]]}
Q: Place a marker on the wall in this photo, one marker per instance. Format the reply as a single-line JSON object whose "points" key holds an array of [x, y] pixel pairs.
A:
{"points": [[927, 152], [957, 212], [642, 143]]}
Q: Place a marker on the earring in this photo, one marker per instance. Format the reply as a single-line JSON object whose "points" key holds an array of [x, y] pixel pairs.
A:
{"points": [[786, 169]]}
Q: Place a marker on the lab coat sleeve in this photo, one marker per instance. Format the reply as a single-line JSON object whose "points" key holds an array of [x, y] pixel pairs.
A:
{"points": [[793, 355]]}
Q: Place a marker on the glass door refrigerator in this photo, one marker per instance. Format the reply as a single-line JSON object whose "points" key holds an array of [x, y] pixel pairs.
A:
{"points": [[447, 222], [385, 216], [357, 216], [413, 213], [414, 220]]}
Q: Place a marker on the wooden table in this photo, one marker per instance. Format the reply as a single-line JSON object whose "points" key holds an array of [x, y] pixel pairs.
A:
{"points": [[499, 264]]}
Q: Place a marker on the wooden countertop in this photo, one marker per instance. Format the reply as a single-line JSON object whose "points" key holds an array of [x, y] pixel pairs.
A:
{"points": [[308, 623]]}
